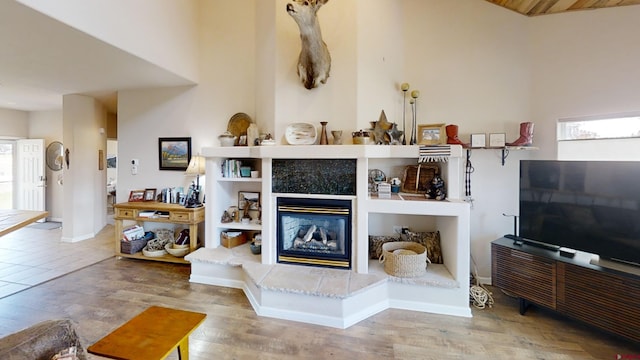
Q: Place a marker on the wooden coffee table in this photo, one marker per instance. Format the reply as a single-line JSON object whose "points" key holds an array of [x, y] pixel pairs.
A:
{"points": [[153, 334]]}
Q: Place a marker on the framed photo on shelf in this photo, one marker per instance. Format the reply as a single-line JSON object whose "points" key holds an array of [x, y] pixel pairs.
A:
{"points": [[478, 140], [174, 153], [136, 195], [497, 140], [432, 134], [149, 194], [252, 198]]}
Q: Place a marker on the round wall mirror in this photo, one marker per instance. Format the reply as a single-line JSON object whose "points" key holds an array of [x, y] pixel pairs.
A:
{"points": [[55, 156]]}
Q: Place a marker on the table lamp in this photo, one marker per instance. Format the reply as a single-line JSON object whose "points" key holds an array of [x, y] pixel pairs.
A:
{"points": [[196, 167]]}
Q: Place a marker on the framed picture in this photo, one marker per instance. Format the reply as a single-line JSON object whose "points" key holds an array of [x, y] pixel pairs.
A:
{"points": [[174, 153], [478, 140], [136, 195], [111, 161], [149, 194], [253, 198], [432, 134], [497, 140]]}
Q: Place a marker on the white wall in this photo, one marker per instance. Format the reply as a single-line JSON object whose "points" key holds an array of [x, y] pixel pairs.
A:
{"points": [[47, 125], [335, 101], [84, 209], [14, 124], [164, 32], [584, 64], [143, 117]]}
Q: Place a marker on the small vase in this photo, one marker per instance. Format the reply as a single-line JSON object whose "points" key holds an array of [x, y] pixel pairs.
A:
{"points": [[337, 137], [323, 134]]}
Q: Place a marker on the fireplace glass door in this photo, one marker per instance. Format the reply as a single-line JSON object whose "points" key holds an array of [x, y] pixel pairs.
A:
{"points": [[315, 232]]}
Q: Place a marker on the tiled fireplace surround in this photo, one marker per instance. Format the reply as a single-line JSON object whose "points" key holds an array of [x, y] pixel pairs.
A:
{"points": [[336, 297]]}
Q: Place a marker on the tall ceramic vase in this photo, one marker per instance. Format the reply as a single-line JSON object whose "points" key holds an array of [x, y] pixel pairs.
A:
{"points": [[324, 140]]}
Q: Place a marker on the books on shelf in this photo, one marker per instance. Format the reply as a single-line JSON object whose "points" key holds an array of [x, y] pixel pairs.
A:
{"points": [[231, 168]]}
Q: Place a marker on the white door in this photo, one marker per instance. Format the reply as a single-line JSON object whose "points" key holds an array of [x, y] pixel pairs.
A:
{"points": [[30, 175]]}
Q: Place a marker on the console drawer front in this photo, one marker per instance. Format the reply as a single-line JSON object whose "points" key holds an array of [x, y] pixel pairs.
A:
{"points": [[180, 216], [525, 275], [124, 213]]}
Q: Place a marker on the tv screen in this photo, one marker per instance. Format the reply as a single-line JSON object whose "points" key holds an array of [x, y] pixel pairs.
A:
{"points": [[592, 206]]}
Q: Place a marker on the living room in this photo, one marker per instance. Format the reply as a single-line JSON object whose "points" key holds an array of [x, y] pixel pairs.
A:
{"points": [[477, 65]]}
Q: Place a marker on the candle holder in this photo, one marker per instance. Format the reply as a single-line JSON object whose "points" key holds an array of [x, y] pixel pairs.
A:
{"points": [[404, 87]]}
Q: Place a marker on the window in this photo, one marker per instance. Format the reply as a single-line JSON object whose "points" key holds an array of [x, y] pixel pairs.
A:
{"points": [[606, 127]]}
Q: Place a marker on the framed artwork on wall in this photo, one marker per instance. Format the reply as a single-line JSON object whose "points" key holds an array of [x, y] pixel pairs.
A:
{"points": [[174, 153]]}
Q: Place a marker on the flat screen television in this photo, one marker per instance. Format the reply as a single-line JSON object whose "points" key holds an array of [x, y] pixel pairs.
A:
{"points": [[591, 206]]}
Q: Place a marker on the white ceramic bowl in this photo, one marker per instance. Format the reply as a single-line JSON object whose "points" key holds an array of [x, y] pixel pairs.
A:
{"points": [[152, 253], [176, 252]]}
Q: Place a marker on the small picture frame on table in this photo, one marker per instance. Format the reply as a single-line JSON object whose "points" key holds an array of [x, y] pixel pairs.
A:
{"points": [[136, 195], [149, 194], [432, 134], [497, 140], [478, 140]]}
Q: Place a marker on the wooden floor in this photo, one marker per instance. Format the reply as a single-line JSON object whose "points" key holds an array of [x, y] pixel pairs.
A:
{"points": [[102, 296]]}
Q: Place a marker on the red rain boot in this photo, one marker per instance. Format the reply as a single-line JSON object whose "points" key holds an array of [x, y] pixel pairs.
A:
{"points": [[526, 135], [452, 136]]}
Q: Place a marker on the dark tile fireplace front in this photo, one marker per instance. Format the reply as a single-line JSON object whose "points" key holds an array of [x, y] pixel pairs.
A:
{"points": [[314, 232]]}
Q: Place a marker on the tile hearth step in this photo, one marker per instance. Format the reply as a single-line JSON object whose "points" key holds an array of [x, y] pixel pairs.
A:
{"points": [[316, 281], [297, 279], [324, 296]]}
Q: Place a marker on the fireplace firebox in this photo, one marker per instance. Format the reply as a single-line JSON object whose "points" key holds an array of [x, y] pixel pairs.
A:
{"points": [[314, 232]]}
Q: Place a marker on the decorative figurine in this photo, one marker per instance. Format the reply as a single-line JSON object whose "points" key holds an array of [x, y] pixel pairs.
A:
{"points": [[526, 135], [226, 217], [437, 190]]}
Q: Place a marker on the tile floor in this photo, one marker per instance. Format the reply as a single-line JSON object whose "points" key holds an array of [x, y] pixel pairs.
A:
{"points": [[31, 256]]}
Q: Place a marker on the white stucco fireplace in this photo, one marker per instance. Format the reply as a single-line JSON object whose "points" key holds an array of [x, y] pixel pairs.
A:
{"points": [[344, 295]]}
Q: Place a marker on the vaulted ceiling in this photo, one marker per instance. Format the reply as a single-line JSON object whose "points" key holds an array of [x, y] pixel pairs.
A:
{"points": [[545, 7]]}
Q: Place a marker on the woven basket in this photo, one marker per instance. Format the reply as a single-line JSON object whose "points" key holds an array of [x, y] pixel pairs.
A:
{"points": [[417, 178], [133, 246], [404, 259]]}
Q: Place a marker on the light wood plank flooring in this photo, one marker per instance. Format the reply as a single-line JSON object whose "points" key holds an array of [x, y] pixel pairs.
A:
{"points": [[102, 296]]}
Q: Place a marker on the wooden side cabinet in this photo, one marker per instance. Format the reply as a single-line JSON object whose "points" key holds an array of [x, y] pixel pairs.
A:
{"points": [[605, 298], [175, 214]]}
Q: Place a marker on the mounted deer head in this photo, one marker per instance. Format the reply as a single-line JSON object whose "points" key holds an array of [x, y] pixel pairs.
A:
{"points": [[314, 62]]}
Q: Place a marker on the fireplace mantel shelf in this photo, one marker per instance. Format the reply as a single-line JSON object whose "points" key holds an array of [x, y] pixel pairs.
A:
{"points": [[321, 151]]}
